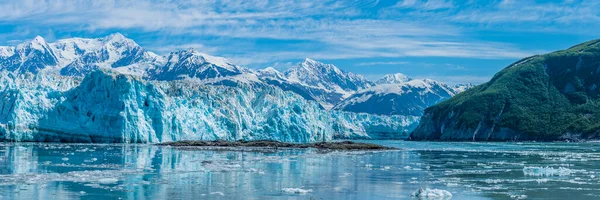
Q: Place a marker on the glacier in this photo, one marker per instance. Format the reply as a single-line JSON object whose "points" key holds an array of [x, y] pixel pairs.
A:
{"points": [[107, 106]]}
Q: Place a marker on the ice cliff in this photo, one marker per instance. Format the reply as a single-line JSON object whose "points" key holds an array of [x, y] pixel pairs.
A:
{"points": [[107, 106]]}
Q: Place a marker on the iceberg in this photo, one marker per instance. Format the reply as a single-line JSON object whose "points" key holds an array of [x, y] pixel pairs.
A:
{"points": [[109, 107], [432, 194]]}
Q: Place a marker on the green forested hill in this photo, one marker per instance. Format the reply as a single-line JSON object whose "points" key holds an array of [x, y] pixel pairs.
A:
{"points": [[554, 96]]}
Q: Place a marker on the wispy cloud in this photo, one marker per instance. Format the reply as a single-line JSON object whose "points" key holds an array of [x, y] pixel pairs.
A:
{"points": [[381, 63], [453, 79], [341, 29], [163, 49]]}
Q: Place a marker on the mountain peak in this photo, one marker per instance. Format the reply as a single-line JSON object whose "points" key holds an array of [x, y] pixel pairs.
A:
{"points": [[311, 61], [38, 39], [118, 38], [269, 69], [316, 66], [37, 43], [393, 79]]}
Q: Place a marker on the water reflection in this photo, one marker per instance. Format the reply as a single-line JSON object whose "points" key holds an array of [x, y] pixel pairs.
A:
{"points": [[468, 170], [68, 171]]}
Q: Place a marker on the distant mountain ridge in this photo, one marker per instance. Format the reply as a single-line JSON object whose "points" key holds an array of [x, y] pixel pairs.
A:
{"points": [[398, 98]]}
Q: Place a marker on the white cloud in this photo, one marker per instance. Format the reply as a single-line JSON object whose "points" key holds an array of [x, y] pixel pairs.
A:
{"points": [[338, 29]]}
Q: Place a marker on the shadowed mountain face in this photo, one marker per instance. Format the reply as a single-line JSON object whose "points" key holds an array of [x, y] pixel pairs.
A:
{"points": [[547, 97], [403, 98]]}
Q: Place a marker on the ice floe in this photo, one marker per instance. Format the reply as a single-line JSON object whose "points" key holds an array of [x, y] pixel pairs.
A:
{"points": [[296, 190], [426, 193]]}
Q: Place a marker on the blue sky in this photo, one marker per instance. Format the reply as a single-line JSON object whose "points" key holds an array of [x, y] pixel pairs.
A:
{"points": [[452, 41]]}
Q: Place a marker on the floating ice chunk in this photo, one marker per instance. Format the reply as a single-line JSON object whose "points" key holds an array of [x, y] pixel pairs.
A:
{"points": [[217, 193], [432, 194], [296, 190], [522, 196], [107, 181], [65, 159], [546, 171]]}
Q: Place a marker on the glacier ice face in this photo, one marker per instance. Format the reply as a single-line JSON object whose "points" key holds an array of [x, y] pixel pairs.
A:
{"points": [[108, 106], [350, 125]]}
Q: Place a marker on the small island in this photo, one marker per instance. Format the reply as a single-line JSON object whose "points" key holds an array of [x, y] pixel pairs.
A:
{"points": [[341, 145]]}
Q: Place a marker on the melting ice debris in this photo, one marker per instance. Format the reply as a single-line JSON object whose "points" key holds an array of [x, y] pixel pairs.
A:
{"points": [[107, 106], [547, 171], [296, 190], [106, 181], [217, 193], [426, 193]]}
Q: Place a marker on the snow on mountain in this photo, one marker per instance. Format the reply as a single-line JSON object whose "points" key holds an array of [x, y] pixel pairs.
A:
{"points": [[270, 72], [393, 79], [111, 107], [327, 77], [407, 98], [462, 87], [324, 97], [30, 56], [313, 80], [193, 64], [78, 56]]}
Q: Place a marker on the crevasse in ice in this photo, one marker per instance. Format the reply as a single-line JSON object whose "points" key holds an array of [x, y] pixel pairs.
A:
{"points": [[106, 106]]}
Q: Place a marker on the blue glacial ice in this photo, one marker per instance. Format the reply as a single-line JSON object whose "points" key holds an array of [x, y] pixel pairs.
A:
{"points": [[106, 106]]}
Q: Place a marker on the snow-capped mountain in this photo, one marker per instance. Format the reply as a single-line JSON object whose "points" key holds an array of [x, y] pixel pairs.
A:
{"points": [[396, 78], [78, 56], [462, 87], [30, 56], [324, 83], [193, 64], [327, 77], [406, 98]]}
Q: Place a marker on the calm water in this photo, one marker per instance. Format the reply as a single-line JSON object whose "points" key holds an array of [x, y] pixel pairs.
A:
{"points": [[467, 170]]}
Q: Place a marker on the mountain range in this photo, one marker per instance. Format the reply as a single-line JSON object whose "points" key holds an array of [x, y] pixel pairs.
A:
{"points": [[394, 94]]}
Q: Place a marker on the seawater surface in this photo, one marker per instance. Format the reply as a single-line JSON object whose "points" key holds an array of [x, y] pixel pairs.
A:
{"points": [[467, 170]]}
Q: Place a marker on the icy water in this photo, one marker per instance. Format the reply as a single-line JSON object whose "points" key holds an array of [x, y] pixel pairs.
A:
{"points": [[467, 170]]}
